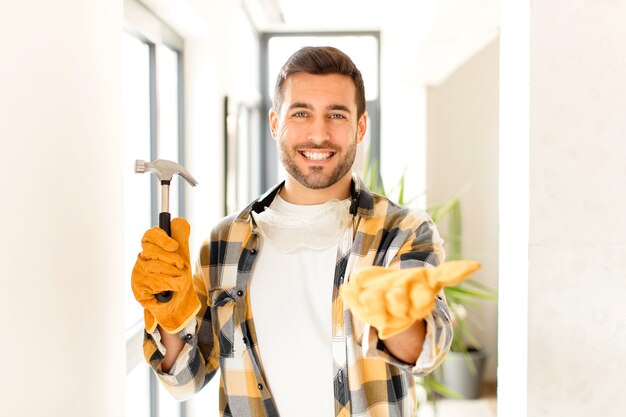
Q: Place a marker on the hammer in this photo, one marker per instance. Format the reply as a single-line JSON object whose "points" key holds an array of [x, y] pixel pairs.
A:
{"points": [[164, 170]]}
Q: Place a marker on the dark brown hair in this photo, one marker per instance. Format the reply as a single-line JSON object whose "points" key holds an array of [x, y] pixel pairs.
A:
{"points": [[320, 60]]}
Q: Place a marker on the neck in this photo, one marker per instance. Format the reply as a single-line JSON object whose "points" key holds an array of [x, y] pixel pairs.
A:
{"points": [[295, 193]]}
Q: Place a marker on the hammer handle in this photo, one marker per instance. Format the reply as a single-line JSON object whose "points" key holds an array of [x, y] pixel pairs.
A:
{"points": [[164, 223]]}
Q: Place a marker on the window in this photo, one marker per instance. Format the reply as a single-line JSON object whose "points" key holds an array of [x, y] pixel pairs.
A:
{"points": [[362, 47], [136, 107], [152, 93]]}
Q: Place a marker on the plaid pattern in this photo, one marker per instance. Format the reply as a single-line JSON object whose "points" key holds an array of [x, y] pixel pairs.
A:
{"points": [[364, 385]]}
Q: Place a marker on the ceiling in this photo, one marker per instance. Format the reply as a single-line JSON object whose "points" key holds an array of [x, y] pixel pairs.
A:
{"points": [[442, 33]]}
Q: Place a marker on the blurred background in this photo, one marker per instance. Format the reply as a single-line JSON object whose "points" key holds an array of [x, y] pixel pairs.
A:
{"points": [[514, 109]]}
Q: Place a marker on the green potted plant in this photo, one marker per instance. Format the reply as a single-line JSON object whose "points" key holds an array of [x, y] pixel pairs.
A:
{"points": [[462, 370]]}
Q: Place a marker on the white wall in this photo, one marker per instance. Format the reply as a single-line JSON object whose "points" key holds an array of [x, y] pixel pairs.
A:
{"points": [[203, 131], [576, 84], [462, 151], [403, 116], [61, 138], [513, 214], [577, 252]]}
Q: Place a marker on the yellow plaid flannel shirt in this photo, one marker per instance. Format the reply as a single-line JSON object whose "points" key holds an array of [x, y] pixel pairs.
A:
{"points": [[368, 381]]}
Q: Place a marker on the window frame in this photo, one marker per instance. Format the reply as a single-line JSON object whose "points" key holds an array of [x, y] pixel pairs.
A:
{"points": [[148, 28]]}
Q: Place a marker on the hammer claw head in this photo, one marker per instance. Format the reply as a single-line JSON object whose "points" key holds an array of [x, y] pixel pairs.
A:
{"points": [[164, 170], [187, 176]]}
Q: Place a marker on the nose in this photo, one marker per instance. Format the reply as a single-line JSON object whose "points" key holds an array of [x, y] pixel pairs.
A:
{"points": [[318, 130]]}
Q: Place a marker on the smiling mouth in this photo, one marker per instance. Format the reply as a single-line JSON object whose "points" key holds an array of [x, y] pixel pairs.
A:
{"points": [[316, 156]]}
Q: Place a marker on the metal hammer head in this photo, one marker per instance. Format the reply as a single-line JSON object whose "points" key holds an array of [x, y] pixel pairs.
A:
{"points": [[164, 170]]}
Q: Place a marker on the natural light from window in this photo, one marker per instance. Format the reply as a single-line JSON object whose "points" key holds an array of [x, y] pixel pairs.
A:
{"points": [[136, 109], [167, 87]]}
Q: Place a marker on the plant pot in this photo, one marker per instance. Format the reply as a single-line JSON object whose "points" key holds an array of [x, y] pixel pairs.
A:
{"points": [[461, 377]]}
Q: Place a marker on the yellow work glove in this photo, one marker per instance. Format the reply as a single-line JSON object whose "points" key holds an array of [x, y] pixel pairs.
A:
{"points": [[163, 265], [392, 300]]}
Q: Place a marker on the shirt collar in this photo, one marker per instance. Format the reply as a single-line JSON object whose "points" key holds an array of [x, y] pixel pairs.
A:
{"points": [[361, 200]]}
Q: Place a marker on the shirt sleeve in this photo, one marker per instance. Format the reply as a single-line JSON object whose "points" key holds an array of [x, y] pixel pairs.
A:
{"points": [[198, 361], [436, 343], [417, 244]]}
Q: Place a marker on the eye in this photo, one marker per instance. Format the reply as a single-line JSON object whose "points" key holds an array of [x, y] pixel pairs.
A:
{"points": [[337, 116], [299, 114]]}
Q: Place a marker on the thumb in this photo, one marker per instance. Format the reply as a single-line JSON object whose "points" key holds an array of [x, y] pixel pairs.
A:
{"points": [[180, 233]]}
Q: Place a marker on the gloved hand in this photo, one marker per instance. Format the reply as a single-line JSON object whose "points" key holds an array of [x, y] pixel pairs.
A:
{"points": [[163, 265], [392, 300]]}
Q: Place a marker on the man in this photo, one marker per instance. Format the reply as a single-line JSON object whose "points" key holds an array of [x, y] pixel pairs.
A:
{"points": [[266, 287]]}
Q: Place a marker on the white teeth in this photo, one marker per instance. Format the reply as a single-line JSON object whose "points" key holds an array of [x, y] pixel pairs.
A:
{"points": [[317, 156]]}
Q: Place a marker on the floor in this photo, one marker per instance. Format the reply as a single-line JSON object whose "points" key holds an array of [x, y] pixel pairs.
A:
{"points": [[482, 407]]}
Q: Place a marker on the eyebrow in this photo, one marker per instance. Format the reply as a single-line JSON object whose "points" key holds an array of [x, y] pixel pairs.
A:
{"points": [[302, 105]]}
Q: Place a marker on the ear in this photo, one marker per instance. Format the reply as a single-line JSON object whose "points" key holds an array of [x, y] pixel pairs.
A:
{"points": [[273, 118], [361, 127]]}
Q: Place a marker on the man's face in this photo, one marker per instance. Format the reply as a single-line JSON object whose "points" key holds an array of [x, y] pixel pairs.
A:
{"points": [[317, 128]]}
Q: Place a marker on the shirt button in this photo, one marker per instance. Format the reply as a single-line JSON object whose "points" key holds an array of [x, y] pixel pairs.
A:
{"points": [[239, 293], [252, 251], [260, 386]]}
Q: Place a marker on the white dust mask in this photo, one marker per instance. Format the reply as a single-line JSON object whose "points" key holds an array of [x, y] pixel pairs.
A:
{"points": [[290, 227]]}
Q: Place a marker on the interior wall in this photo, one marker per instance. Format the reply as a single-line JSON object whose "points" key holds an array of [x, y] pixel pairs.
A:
{"points": [[513, 214], [576, 324], [61, 140], [403, 119], [61, 135], [462, 151], [203, 133]]}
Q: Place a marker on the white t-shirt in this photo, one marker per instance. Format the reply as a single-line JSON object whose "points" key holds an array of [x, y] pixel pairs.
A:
{"points": [[291, 299]]}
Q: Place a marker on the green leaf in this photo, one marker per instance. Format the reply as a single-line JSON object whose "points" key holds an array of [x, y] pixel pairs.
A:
{"points": [[461, 292], [464, 338], [441, 210], [486, 288], [401, 195], [438, 387]]}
